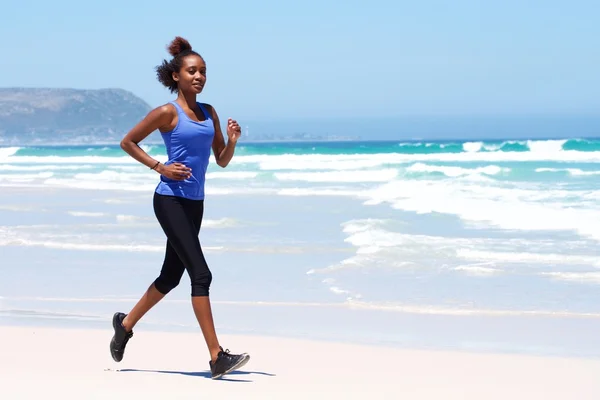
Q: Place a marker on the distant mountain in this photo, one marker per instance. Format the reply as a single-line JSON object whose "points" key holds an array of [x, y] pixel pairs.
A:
{"points": [[45, 115]]}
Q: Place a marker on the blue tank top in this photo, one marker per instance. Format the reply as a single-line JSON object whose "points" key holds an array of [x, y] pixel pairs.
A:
{"points": [[189, 143]]}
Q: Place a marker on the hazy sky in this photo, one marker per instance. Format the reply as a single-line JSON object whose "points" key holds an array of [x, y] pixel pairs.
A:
{"points": [[281, 59]]}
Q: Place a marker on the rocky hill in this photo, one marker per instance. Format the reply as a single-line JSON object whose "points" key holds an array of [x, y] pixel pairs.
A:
{"points": [[43, 115]]}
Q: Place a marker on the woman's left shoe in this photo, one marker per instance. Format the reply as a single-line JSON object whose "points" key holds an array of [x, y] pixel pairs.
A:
{"points": [[227, 362]]}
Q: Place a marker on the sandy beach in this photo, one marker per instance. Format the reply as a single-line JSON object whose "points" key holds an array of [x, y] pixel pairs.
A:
{"points": [[75, 364]]}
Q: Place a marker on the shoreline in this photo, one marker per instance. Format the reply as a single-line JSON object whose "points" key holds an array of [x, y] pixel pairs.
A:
{"points": [[76, 364], [539, 336]]}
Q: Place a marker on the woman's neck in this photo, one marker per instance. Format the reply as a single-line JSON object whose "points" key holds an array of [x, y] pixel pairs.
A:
{"points": [[187, 99]]}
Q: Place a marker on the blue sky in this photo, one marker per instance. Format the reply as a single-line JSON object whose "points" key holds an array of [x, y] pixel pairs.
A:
{"points": [[312, 59]]}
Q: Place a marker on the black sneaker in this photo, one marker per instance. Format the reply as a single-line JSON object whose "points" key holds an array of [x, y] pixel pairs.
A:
{"points": [[120, 338], [226, 363]]}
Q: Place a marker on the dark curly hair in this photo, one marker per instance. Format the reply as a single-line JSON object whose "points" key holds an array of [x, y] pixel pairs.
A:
{"points": [[179, 48]]}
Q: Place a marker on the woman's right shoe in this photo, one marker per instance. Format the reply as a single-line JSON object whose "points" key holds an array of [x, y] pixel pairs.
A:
{"points": [[227, 362], [120, 337]]}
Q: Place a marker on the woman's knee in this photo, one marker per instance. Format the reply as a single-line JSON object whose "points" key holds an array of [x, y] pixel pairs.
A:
{"points": [[164, 284], [201, 283]]}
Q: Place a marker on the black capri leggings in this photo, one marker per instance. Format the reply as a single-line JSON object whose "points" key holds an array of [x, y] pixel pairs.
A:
{"points": [[180, 219]]}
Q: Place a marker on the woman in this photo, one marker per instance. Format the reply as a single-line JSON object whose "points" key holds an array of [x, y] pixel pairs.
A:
{"points": [[189, 130]]}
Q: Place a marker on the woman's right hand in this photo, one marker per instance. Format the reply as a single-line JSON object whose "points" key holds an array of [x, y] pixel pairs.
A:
{"points": [[175, 171]]}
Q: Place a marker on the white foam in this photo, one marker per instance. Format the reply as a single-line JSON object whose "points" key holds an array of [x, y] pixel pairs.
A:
{"points": [[571, 171], [380, 250], [6, 152], [24, 178], [29, 168], [114, 176], [90, 246], [85, 214], [578, 172], [382, 175], [472, 147], [128, 218], [118, 201], [333, 163], [124, 181], [528, 258], [546, 146], [318, 192], [220, 223], [337, 290], [354, 161], [579, 277], [14, 207], [59, 160], [476, 270], [107, 180], [231, 175], [457, 171], [146, 147], [97, 184], [127, 168], [41, 236], [440, 310], [503, 207]]}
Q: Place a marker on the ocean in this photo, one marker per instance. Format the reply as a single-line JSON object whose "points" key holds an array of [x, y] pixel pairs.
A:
{"points": [[489, 245]]}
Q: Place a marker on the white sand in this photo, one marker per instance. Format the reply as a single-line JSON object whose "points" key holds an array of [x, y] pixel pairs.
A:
{"points": [[76, 364]]}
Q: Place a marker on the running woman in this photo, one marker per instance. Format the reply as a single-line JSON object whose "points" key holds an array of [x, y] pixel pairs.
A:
{"points": [[190, 130]]}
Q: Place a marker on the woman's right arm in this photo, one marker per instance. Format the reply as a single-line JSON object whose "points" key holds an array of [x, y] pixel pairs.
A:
{"points": [[160, 117]]}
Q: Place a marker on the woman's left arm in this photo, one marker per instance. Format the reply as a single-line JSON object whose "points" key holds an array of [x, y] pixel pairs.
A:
{"points": [[224, 151]]}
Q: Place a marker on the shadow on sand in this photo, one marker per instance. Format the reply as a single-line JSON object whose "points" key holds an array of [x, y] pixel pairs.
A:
{"points": [[203, 374]]}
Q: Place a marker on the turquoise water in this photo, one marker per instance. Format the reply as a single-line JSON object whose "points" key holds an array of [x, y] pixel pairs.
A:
{"points": [[347, 147], [360, 231]]}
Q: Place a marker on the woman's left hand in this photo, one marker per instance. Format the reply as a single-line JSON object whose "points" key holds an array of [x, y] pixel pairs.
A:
{"points": [[233, 130]]}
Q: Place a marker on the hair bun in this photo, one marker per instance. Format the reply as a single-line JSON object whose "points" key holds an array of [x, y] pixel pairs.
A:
{"points": [[179, 45]]}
